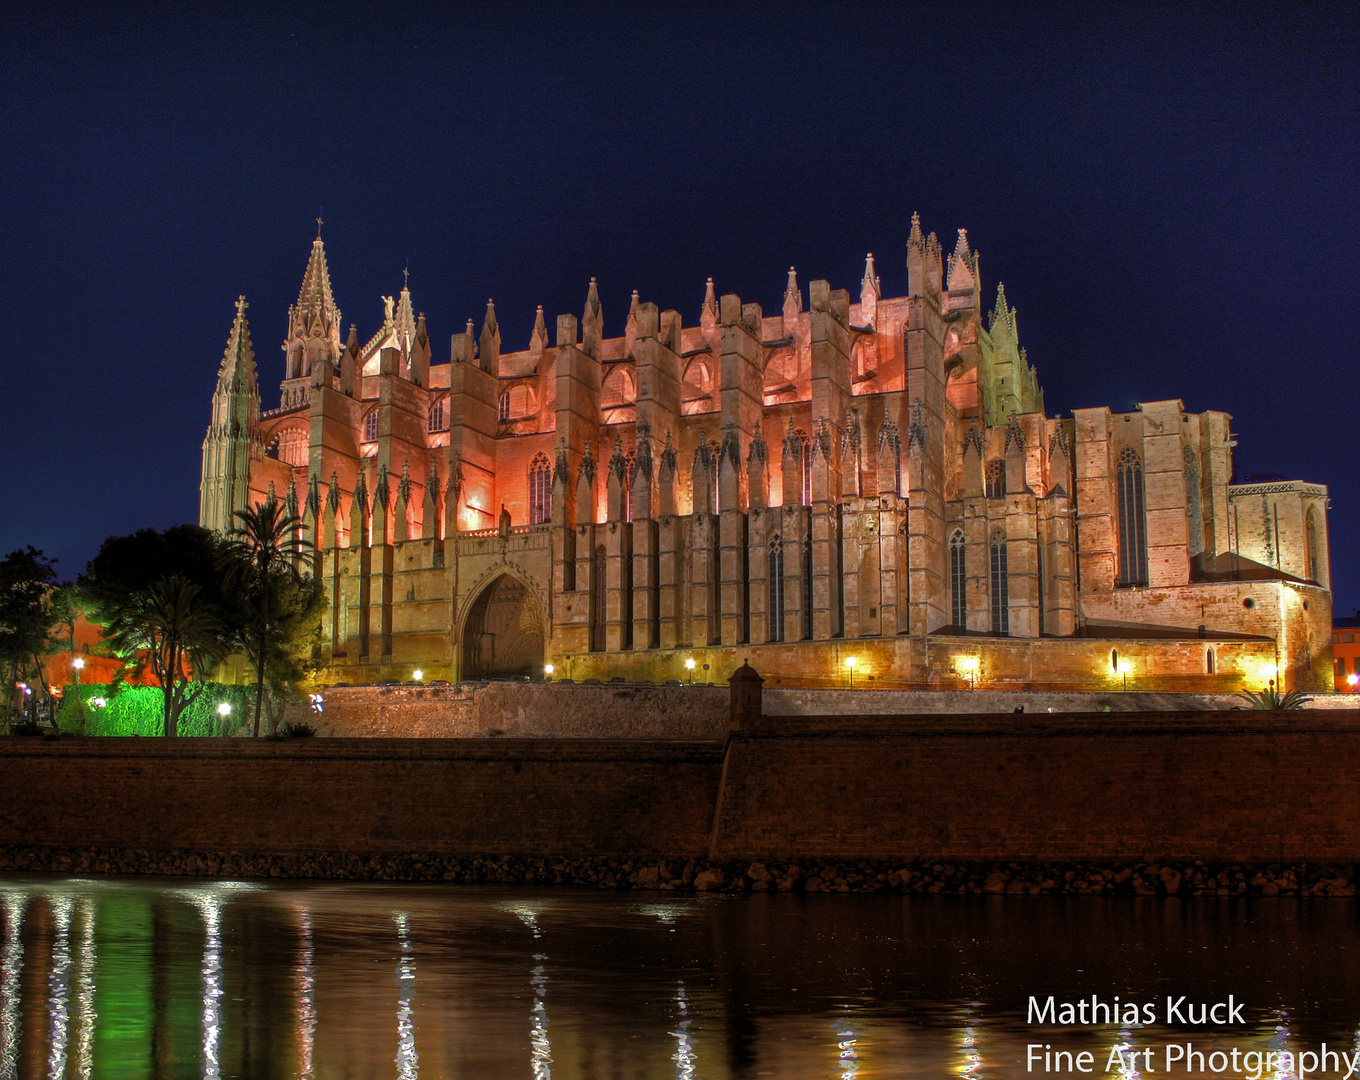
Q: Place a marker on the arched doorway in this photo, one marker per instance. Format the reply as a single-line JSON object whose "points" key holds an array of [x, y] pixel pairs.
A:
{"points": [[503, 632]]}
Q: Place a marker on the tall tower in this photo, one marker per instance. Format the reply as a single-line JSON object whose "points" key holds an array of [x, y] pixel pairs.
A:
{"points": [[312, 348], [233, 439]]}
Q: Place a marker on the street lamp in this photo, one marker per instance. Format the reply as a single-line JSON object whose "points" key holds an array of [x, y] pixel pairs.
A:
{"points": [[78, 662], [548, 670], [850, 662], [418, 674], [1352, 680], [1124, 671], [967, 666], [689, 666]]}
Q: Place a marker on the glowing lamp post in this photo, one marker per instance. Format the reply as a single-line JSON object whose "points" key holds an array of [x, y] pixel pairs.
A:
{"points": [[967, 666], [223, 711], [1352, 680], [78, 662], [548, 670], [417, 674], [1124, 672], [850, 662], [689, 666]]}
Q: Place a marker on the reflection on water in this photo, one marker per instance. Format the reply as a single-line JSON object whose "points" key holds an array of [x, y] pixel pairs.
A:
{"points": [[137, 979]]}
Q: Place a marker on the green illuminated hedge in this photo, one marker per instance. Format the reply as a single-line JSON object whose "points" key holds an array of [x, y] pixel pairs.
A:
{"points": [[140, 710]]}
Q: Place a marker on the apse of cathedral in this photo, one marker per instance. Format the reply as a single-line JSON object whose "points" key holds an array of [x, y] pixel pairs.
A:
{"points": [[867, 489]]}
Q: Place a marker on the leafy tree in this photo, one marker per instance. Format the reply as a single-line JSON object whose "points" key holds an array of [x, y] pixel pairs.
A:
{"points": [[169, 627], [135, 587], [27, 578], [262, 549], [129, 564]]}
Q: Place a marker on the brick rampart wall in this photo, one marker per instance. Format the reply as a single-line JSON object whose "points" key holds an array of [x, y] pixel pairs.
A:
{"points": [[360, 796], [521, 710], [1233, 787], [1240, 787]]}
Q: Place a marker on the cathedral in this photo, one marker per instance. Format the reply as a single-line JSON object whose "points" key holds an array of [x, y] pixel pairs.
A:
{"points": [[845, 492]]}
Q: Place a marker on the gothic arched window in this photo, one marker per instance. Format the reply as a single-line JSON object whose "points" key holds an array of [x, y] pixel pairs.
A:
{"points": [[958, 582], [1001, 592], [776, 569], [1133, 563], [805, 458], [996, 479], [371, 426], [1314, 549], [1194, 515], [540, 490], [438, 418]]}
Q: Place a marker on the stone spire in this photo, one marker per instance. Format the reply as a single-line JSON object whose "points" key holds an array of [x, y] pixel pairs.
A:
{"points": [[631, 326], [708, 314], [315, 309], [236, 375], [405, 321], [869, 292], [916, 239], [962, 265], [793, 299], [233, 440], [592, 322], [538, 336], [490, 341], [314, 321], [1003, 313]]}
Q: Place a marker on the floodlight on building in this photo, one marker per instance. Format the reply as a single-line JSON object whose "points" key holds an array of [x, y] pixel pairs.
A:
{"points": [[418, 674]]}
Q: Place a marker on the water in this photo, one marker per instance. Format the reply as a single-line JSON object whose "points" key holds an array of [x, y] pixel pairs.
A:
{"points": [[166, 978]]}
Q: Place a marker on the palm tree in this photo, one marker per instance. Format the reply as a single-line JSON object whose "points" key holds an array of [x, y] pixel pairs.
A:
{"points": [[169, 626], [264, 542]]}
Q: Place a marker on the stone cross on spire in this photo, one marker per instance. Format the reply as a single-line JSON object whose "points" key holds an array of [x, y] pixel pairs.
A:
{"points": [[319, 223], [241, 306]]}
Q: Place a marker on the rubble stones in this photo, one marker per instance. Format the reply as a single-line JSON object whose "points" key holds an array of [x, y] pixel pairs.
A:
{"points": [[1011, 879]]}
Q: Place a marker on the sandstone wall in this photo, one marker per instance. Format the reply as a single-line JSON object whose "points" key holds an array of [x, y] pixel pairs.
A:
{"points": [[1226, 786], [519, 709], [369, 796]]}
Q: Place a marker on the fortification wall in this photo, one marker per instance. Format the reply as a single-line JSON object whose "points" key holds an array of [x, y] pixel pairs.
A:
{"points": [[366, 796], [521, 710], [1239, 787], [1235, 787]]}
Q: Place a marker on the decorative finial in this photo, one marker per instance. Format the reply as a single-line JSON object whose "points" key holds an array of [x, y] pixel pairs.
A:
{"points": [[318, 223], [406, 275], [241, 306]]}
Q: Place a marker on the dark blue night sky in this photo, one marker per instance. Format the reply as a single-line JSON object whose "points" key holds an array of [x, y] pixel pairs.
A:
{"points": [[1168, 193]]}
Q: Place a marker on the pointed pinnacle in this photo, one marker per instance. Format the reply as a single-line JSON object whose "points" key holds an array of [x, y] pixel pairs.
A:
{"points": [[915, 237]]}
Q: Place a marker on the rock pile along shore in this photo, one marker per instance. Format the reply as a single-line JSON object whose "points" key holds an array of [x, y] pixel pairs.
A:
{"points": [[1168, 878]]}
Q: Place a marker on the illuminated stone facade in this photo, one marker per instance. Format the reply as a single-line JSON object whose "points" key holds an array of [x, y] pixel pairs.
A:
{"points": [[874, 480]]}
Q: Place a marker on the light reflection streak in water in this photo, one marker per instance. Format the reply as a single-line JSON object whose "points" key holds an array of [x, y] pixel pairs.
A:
{"points": [[210, 906], [85, 990], [408, 1061], [11, 965], [1126, 1068], [846, 1054], [684, 1045], [540, 1045], [59, 985], [970, 1058], [306, 996], [1280, 1041]]}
